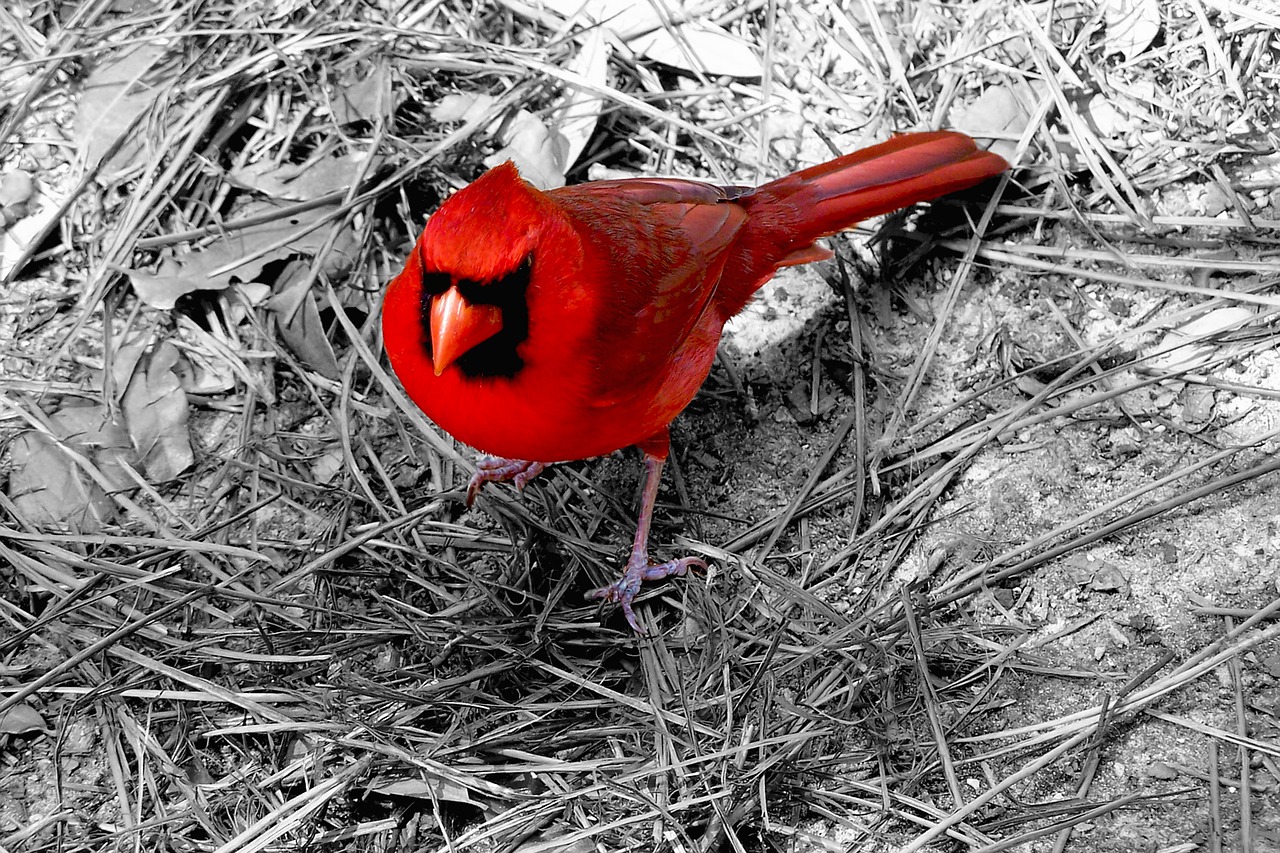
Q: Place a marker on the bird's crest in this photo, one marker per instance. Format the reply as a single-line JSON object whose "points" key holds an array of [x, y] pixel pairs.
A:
{"points": [[487, 230]]}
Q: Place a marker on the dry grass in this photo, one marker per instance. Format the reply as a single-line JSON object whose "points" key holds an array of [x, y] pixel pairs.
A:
{"points": [[300, 641]]}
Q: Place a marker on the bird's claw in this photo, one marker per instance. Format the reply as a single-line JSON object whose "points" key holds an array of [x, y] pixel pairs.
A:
{"points": [[626, 588], [496, 469]]}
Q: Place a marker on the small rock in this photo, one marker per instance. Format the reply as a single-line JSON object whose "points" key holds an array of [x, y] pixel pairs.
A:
{"points": [[1109, 578], [1125, 442], [1197, 405]]}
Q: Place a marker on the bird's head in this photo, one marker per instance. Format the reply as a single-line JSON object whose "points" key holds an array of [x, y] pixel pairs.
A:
{"points": [[476, 259]]}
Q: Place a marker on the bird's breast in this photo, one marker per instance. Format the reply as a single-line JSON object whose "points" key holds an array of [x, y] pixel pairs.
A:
{"points": [[562, 410]]}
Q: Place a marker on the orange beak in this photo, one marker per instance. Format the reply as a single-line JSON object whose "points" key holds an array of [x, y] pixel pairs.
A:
{"points": [[457, 326]]}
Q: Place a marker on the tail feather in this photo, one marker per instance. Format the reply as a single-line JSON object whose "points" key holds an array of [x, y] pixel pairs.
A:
{"points": [[910, 168]]}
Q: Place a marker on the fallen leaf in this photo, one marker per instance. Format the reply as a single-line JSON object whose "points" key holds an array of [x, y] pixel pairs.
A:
{"points": [[1102, 114], [1218, 199], [1131, 26], [998, 117], [22, 720], [700, 47], [370, 98], [327, 465], [16, 189], [433, 788], [241, 255], [693, 45], [303, 181], [467, 107], [112, 102], [155, 409], [204, 373], [52, 490], [49, 489], [125, 362], [298, 318], [556, 840], [89, 428], [622, 17], [575, 116], [19, 241], [196, 771], [213, 354], [539, 152], [1190, 345], [254, 292]]}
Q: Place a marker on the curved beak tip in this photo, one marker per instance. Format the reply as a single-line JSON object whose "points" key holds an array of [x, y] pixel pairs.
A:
{"points": [[458, 325]]}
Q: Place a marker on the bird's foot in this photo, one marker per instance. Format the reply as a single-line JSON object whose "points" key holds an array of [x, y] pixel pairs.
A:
{"points": [[495, 469], [638, 570]]}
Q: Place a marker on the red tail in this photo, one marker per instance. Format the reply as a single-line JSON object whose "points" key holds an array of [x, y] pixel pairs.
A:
{"points": [[907, 169]]}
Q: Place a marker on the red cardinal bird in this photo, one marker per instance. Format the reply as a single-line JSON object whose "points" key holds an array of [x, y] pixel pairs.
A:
{"points": [[548, 326]]}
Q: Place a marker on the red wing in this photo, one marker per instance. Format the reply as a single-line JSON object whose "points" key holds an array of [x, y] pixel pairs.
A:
{"points": [[650, 331], [664, 243], [654, 191]]}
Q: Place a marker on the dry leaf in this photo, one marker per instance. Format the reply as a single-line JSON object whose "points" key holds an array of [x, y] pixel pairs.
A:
{"points": [[1186, 347], [700, 47], [1131, 26], [575, 117], [710, 48], [434, 788], [50, 489], [241, 255], [16, 189], [89, 428], [370, 98], [298, 318], [125, 362], [539, 152], [17, 241], [468, 107], [555, 840], [1106, 119], [22, 720], [305, 181], [155, 409], [998, 111], [622, 17], [113, 100], [327, 465], [204, 373], [213, 354]]}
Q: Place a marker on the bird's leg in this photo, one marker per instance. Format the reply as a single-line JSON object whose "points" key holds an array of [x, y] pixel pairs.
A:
{"points": [[638, 568], [495, 469]]}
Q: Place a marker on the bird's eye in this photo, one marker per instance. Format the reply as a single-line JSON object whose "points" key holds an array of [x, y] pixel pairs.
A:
{"points": [[435, 283], [499, 290]]}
